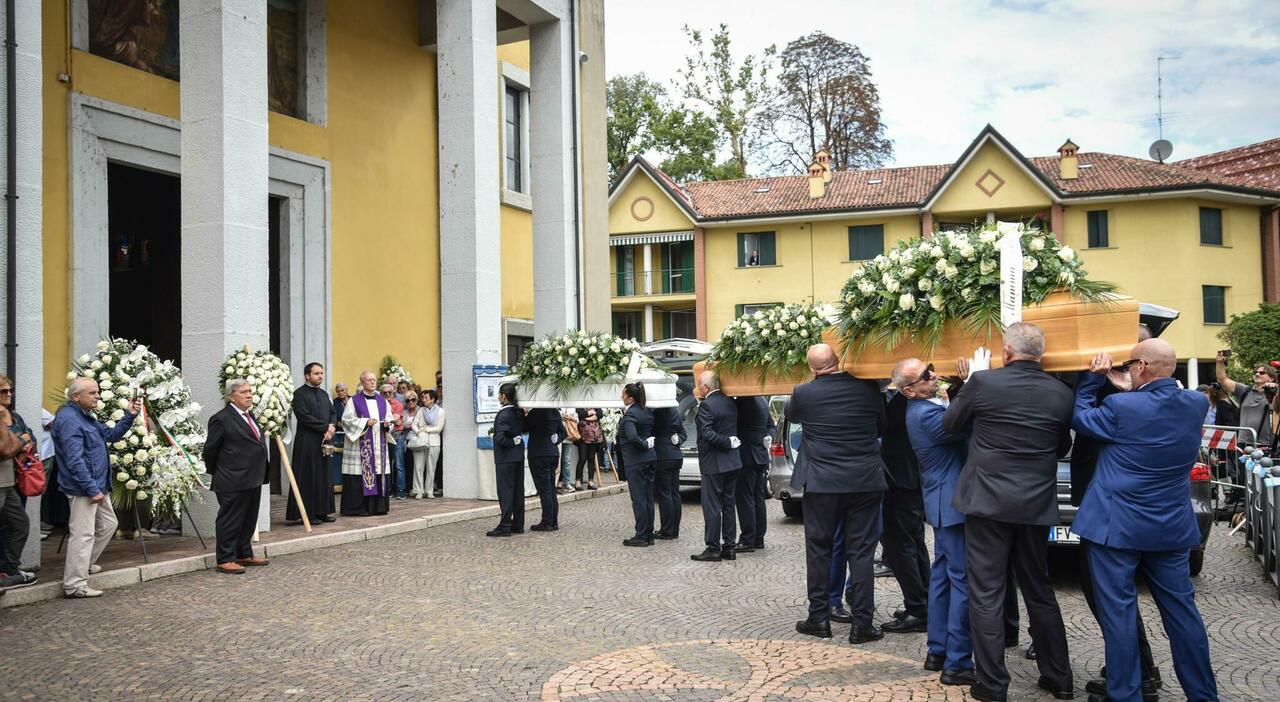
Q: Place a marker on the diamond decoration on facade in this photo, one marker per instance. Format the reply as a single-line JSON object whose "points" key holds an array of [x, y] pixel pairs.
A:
{"points": [[990, 183]]}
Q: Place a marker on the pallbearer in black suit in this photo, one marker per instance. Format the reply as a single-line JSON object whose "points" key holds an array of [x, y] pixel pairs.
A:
{"points": [[903, 518], [636, 442], [755, 430], [669, 435], [508, 462], [546, 432], [841, 475], [1020, 419], [719, 463], [235, 454], [314, 411]]}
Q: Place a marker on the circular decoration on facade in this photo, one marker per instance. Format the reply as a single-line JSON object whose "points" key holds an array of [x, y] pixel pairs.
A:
{"points": [[642, 208], [747, 669]]}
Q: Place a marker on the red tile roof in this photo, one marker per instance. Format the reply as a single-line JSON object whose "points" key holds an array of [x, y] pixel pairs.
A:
{"points": [[847, 190], [1255, 165], [1112, 172]]}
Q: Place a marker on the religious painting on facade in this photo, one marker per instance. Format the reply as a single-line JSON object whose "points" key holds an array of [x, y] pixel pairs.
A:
{"points": [[282, 56], [142, 34]]}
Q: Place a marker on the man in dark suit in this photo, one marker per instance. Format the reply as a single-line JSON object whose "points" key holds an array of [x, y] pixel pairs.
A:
{"points": [[546, 431], [1137, 516], [841, 475], [903, 519], [235, 454], [1020, 423], [719, 463], [755, 430]]}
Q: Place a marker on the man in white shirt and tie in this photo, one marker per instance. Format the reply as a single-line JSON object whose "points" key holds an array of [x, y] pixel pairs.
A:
{"points": [[235, 454]]}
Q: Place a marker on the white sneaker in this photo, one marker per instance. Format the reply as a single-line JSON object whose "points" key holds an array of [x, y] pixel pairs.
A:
{"points": [[95, 569], [83, 593]]}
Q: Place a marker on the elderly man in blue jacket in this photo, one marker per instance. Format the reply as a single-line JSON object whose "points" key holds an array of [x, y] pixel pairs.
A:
{"points": [[941, 455], [1137, 515]]}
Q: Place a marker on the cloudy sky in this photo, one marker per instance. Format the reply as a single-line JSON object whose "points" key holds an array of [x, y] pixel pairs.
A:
{"points": [[1040, 72]]}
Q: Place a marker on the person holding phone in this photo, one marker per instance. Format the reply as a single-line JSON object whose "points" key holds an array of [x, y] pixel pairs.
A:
{"points": [[1257, 401]]}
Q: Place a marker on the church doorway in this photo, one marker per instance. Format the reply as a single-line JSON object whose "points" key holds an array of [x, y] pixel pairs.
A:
{"points": [[144, 224]]}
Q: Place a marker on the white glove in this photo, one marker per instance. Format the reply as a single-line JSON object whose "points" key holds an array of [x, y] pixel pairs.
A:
{"points": [[981, 360], [768, 442], [518, 440], [675, 439], [649, 442], [555, 438], [734, 442]]}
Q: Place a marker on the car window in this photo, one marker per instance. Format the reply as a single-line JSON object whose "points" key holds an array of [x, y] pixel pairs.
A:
{"points": [[688, 408]]}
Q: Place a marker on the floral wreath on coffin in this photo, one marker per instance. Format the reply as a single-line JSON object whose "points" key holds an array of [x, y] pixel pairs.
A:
{"points": [[773, 342]]}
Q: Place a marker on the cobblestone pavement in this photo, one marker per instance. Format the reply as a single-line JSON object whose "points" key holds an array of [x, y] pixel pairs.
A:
{"points": [[448, 614]]}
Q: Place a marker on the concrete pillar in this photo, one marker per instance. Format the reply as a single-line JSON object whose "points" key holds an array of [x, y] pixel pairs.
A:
{"points": [[1055, 222], [648, 323], [470, 273], [28, 372], [223, 48], [551, 177], [1271, 256], [597, 276], [700, 281], [648, 269], [1193, 373]]}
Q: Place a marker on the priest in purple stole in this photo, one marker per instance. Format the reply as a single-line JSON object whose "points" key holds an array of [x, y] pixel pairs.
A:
{"points": [[366, 477]]}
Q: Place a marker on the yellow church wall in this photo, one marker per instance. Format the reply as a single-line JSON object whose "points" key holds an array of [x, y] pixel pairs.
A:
{"points": [[963, 197], [57, 289], [666, 216], [517, 263]]}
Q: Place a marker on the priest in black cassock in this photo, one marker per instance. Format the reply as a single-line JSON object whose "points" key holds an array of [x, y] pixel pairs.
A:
{"points": [[314, 411]]}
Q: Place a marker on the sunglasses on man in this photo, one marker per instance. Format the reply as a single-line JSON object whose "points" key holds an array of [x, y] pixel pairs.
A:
{"points": [[1124, 367], [926, 376]]}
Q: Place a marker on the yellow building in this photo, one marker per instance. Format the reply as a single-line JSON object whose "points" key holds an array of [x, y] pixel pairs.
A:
{"points": [[689, 258], [334, 180]]}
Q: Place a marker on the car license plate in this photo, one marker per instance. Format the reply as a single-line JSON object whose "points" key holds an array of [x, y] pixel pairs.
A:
{"points": [[1063, 535]]}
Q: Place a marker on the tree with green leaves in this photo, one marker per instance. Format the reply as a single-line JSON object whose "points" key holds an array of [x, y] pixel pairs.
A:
{"points": [[1254, 339], [633, 103], [825, 99], [642, 119]]}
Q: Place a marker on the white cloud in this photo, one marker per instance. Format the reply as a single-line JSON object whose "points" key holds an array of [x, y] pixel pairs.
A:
{"points": [[1038, 71]]}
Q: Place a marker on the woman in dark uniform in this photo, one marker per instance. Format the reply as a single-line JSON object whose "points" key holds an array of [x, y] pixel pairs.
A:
{"points": [[668, 434], [546, 431], [508, 461], [636, 442]]}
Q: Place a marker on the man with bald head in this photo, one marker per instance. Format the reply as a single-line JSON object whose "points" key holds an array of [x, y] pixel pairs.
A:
{"points": [[840, 474], [719, 463], [1137, 515]]}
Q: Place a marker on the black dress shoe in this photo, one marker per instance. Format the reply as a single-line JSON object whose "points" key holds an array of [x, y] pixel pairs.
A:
{"points": [[978, 692], [1031, 652], [812, 627], [907, 625], [711, 554], [899, 613], [934, 661], [881, 570], [1098, 688], [636, 542], [1099, 698], [326, 518], [498, 532], [744, 548], [517, 531], [840, 614], [664, 537], [958, 677], [728, 554], [543, 527], [864, 634], [1056, 689]]}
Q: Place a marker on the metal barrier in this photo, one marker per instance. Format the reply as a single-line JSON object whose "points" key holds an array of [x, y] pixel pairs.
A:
{"points": [[1219, 451], [1262, 509]]}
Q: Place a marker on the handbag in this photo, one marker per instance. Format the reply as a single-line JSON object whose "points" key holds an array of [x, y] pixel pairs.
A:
{"points": [[571, 432], [28, 473], [416, 439]]}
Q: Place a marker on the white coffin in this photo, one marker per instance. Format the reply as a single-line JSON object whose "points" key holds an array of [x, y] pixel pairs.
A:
{"points": [[659, 390]]}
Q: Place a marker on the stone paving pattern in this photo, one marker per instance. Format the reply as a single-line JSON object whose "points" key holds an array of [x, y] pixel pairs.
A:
{"points": [[448, 614]]}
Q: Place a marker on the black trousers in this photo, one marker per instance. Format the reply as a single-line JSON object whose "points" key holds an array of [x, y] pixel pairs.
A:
{"points": [[823, 512], [544, 470], [1086, 586], [510, 478], [990, 547], [588, 456], [750, 498], [904, 547], [666, 491], [640, 485], [237, 518], [720, 528]]}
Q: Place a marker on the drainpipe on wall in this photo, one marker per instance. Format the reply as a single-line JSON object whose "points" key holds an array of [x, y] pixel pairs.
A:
{"points": [[577, 164], [11, 193]]}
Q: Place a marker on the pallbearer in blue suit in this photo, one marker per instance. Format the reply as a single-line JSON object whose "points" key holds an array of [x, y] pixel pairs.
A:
{"points": [[941, 456], [1137, 514]]}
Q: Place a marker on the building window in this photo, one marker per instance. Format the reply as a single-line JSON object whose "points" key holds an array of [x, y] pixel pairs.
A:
{"points": [[626, 324], [682, 324], [1098, 237], [752, 308], [625, 270], [1215, 304], [516, 346], [513, 143], [866, 242], [756, 249], [1211, 226]]}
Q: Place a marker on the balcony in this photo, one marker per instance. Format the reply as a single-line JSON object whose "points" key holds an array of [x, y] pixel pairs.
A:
{"points": [[662, 281]]}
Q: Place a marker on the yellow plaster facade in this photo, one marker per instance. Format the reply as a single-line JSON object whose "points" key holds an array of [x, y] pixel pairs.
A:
{"points": [[643, 197], [1012, 188]]}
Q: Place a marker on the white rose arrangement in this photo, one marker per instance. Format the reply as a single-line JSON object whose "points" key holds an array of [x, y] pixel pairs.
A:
{"points": [[574, 359], [391, 367], [272, 386], [773, 341]]}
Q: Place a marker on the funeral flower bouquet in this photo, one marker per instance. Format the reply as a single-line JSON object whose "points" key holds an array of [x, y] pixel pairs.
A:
{"points": [[272, 386], [392, 367], [773, 341], [575, 358], [609, 424], [920, 284], [161, 466]]}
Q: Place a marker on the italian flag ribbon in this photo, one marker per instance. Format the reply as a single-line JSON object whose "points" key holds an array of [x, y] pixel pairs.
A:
{"points": [[164, 432]]}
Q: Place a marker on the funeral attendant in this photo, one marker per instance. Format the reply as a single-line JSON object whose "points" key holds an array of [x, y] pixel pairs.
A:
{"points": [[1019, 417], [902, 516], [841, 475], [1136, 516], [85, 478], [367, 422], [314, 413], [235, 454], [755, 430], [669, 435], [546, 433], [636, 442], [719, 463], [508, 462]]}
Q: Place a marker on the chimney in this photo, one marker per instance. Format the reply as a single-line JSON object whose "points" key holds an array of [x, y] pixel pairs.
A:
{"points": [[817, 180], [1068, 163], [822, 158]]}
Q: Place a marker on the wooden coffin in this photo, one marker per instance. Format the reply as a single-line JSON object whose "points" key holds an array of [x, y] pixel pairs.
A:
{"points": [[748, 384]]}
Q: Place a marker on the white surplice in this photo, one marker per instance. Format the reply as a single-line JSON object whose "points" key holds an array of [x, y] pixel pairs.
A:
{"points": [[354, 428]]}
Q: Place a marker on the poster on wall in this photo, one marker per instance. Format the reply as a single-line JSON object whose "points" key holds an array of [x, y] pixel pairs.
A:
{"points": [[484, 390]]}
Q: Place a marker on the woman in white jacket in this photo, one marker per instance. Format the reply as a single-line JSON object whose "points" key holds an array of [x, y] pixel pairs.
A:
{"points": [[424, 442]]}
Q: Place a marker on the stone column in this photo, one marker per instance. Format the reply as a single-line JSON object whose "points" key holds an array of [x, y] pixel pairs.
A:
{"points": [[551, 182], [1055, 222], [470, 245], [700, 281], [28, 374], [648, 324], [1193, 373], [224, 194], [648, 269]]}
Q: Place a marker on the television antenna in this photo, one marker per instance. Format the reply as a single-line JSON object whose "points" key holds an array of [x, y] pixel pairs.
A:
{"points": [[1162, 148]]}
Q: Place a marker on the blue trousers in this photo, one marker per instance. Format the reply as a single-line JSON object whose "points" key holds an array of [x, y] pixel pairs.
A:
{"points": [[1169, 579], [949, 600], [397, 459], [640, 486]]}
